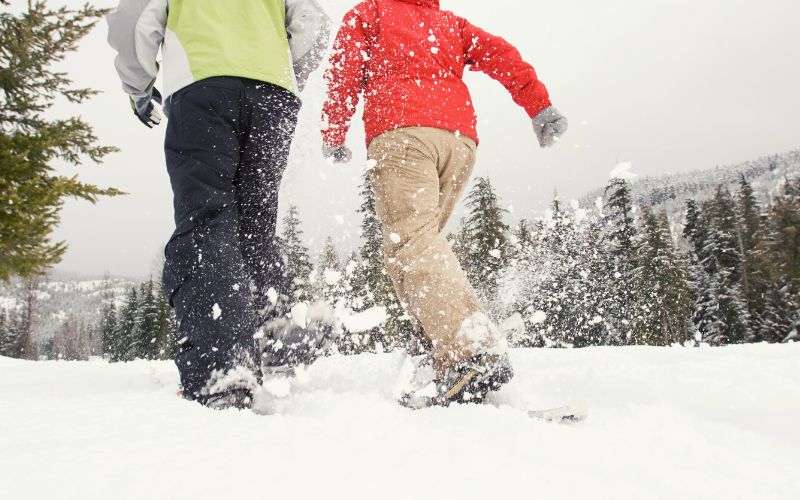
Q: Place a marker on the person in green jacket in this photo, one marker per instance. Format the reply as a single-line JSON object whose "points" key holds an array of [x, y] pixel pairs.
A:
{"points": [[232, 71]]}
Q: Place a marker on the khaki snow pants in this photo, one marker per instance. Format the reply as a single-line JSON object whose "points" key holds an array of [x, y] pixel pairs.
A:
{"points": [[420, 174]]}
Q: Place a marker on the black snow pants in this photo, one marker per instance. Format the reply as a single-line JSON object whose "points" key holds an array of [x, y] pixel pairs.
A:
{"points": [[227, 146]]}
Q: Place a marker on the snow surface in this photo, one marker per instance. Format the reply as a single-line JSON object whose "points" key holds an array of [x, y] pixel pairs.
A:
{"points": [[665, 423]]}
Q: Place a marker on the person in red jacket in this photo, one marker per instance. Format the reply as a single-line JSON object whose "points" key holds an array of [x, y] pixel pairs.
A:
{"points": [[407, 57]]}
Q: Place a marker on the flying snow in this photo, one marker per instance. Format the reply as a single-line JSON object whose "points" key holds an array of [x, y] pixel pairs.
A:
{"points": [[623, 171]]}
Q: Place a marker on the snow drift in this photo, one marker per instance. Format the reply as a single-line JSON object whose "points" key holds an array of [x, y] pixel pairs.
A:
{"points": [[664, 423]]}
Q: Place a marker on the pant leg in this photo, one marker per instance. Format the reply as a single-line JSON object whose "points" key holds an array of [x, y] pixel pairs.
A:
{"points": [[204, 272], [271, 113], [457, 159], [426, 272]]}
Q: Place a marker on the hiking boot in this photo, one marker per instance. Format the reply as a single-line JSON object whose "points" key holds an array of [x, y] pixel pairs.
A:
{"points": [[239, 399], [465, 382]]}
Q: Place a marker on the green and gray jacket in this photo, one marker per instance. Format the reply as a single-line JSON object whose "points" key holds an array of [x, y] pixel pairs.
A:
{"points": [[275, 41]]}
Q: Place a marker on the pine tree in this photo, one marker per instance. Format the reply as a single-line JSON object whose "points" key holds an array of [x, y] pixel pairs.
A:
{"points": [[145, 344], [329, 273], [755, 282], [3, 329], [780, 245], [9, 334], [298, 266], [696, 234], [108, 328], [726, 314], [784, 239], [166, 330], [32, 44], [598, 285], [619, 242], [547, 286], [124, 348], [662, 286], [486, 242]]}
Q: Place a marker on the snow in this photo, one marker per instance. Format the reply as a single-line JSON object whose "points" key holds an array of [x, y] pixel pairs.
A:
{"points": [[664, 423], [300, 314], [216, 312], [623, 171], [538, 317], [365, 320], [513, 322], [332, 277]]}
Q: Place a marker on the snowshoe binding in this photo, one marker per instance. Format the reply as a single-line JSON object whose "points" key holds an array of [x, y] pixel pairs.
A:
{"points": [[466, 382]]}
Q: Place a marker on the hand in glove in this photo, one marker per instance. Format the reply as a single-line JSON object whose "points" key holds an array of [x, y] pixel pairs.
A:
{"points": [[144, 109], [339, 154], [549, 126]]}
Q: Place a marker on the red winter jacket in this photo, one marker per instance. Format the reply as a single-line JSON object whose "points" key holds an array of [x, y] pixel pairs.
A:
{"points": [[408, 57]]}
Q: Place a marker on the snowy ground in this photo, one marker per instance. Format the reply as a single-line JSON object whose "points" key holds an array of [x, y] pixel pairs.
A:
{"points": [[665, 423]]}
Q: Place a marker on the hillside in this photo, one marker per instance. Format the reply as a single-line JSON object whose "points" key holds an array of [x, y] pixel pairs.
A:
{"points": [[672, 190], [61, 296]]}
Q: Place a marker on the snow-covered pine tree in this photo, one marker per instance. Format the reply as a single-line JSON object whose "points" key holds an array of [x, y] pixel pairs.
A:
{"points": [[782, 246], [521, 240], [695, 232], [108, 327], [145, 336], [598, 286], [662, 288], [784, 241], [754, 282], [619, 242], [11, 333], [3, 328], [723, 263], [546, 285], [330, 286], [166, 329], [298, 267], [486, 238], [570, 316], [123, 348]]}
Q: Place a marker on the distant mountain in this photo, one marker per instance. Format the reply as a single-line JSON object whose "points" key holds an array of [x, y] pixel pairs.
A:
{"points": [[58, 298], [671, 191]]}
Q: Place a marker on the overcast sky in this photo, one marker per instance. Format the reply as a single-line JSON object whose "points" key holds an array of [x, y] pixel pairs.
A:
{"points": [[670, 85]]}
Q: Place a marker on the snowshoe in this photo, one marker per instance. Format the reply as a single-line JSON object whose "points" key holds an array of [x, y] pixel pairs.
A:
{"points": [[240, 399], [466, 382]]}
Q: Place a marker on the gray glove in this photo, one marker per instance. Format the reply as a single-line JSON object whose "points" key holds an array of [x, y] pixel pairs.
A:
{"points": [[144, 109], [549, 126], [339, 154]]}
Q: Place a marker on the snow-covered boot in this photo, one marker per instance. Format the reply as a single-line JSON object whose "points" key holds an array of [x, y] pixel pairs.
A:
{"points": [[240, 399], [472, 380], [296, 339], [230, 389], [465, 382]]}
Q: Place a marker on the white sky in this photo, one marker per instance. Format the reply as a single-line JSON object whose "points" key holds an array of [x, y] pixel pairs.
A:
{"points": [[669, 85]]}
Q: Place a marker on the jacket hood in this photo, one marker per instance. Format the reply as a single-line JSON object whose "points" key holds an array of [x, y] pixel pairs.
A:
{"points": [[425, 3]]}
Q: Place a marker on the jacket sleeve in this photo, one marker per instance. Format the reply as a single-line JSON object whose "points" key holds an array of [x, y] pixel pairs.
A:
{"points": [[502, 61], [308, 28], [135, 30], [345, 76]]}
